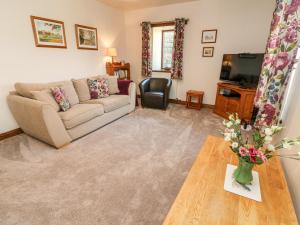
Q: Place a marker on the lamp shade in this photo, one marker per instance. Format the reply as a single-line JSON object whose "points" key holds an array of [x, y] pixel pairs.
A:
{"points": [[111, 52]]}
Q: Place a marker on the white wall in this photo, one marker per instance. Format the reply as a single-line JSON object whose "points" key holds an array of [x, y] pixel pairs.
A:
{"points": [[292, 129], [243, 26], [20, 60]]}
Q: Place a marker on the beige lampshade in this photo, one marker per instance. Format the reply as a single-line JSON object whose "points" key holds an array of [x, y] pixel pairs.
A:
{"points": [[111, 52]]}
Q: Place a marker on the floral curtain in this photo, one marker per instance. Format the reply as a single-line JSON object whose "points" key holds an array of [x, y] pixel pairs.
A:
{"points": [[146, 49], [279, 59], [176, 71]]}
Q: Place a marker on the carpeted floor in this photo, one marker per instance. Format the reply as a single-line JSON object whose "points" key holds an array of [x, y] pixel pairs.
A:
{"points": [[127, 173]]}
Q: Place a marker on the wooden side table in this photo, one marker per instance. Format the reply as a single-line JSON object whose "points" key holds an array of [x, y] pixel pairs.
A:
{"points": [[197, 94]]}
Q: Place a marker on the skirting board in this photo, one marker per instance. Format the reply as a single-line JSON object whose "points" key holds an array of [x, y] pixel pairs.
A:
{"points": [[177, 101], [11, 133]]}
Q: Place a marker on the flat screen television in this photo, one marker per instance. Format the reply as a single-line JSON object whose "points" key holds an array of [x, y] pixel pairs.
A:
{"points": [[243, 69]]}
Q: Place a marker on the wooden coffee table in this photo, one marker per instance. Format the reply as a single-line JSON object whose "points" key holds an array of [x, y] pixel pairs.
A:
{"points": [[202, 199]]}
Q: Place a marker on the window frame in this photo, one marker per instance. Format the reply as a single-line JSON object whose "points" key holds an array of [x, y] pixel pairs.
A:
{"points": [[163, 24], [162, 49]]}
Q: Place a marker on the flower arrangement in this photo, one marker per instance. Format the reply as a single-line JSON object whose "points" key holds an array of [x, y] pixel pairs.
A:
{"points": [[256, 150]]}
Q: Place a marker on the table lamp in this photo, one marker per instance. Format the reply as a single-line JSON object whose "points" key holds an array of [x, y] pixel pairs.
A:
{"points": [[112, 52]]}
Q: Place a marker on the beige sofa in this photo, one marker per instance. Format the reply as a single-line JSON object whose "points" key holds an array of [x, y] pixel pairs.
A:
{"points": [[46, 123]]}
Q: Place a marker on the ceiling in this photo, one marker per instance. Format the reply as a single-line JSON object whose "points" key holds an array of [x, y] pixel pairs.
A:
{"points": [[138, 4]]}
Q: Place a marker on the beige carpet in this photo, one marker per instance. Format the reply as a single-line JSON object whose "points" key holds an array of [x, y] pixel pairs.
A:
{"points": [[127, 173]]}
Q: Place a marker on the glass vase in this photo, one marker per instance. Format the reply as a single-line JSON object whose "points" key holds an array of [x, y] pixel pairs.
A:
{"points": [[243, 173]]}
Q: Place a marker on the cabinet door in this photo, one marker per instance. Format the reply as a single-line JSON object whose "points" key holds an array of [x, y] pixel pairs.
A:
{"points": [[232, 106], [221, 105]]}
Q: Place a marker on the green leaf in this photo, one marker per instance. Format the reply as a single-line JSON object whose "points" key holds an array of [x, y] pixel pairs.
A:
{"points": [[291, 47], [282, 48]]}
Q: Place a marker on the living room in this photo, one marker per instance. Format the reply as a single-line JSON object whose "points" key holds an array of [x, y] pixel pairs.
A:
{"points": [[131, 156]]}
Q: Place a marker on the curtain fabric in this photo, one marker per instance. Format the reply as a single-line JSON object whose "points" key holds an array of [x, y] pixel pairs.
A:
{"points": [[279, 60], [176, 71], [146, 49]]}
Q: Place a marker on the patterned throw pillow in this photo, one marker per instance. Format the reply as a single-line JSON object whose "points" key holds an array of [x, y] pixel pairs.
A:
{"points": [[61, 98], [98, 88]]}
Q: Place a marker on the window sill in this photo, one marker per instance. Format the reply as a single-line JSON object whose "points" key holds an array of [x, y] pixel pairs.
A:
{"points": [[161, 71]]}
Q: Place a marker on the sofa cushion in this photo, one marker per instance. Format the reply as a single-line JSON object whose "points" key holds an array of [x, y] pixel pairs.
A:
{"points": [[45, 96], [24, 89], [113, 85], [82, 89], [71, 94], [80, 113], [98, 88], [112, 102]]}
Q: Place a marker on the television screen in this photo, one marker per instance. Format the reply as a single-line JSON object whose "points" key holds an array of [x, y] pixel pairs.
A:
{"points": [[243, 69]]}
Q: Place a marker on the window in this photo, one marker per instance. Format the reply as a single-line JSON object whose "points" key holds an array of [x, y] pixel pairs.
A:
{"points": [[162, 47], [167, 49]]}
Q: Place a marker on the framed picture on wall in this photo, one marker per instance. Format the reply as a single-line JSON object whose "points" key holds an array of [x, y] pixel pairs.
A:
{"points": [[48, 33], [209, 36], [208, 52], [86, 37]]}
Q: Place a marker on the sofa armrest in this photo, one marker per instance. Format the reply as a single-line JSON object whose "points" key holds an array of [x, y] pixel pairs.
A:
{"points": [[132, 95], [39, 120]]}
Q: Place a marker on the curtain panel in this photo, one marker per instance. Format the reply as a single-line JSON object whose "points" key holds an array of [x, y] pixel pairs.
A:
{"points": [[176, 71], [146, 49], [279, 60]]}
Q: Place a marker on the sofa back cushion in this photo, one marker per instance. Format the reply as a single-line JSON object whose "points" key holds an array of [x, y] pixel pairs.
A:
{"points": [[71, 94], [82, 89], [47, 97], [25, 89]]}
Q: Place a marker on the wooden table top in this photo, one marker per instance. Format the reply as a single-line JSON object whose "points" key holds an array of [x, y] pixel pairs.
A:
{"points": [[202, 199]]}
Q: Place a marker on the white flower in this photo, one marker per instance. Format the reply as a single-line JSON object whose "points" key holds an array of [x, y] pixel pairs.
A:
{"points": [[227, 138], [233, 135], [268, 131], [231, 117], [234, 145], [286, 145], [238, 121], [271, 147], [268, 139], [229, 124], [224, 122]]}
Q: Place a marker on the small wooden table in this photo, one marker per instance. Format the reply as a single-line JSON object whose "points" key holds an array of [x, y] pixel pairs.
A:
{"points": [[197, 94], [202, 199]]}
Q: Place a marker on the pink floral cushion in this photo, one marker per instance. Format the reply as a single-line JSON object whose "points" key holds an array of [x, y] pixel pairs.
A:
{"points": [[98, 88], [60, 98]]}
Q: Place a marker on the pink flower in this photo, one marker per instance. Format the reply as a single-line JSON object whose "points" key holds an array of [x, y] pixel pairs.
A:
{"points": [[282, 60], [252, 154], [262, 156], [243, 151], [292, 8], [274, 42], [275, 22], [291, 35], [270, 111]]}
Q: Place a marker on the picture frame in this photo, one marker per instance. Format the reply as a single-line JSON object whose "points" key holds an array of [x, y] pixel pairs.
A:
{"points": [[209, 36], [86, 37], [208, 51], [48, 33]]}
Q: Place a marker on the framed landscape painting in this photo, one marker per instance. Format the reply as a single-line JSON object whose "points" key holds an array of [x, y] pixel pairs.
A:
{"points": [[209, 36], [208, 52], [86, 37], [48, 33]]}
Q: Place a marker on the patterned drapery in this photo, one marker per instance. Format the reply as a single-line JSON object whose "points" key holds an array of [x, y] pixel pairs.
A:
{"points": [[146, 49], [176, 71], [279, 59]]}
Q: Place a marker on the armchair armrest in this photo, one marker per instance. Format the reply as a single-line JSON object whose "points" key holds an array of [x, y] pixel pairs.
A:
{"points": [[39, 120], [144, 86]]}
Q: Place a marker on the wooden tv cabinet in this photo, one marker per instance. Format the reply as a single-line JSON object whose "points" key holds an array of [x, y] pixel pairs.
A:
{"points": [[237, 100]]}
